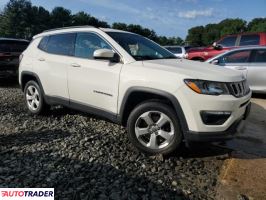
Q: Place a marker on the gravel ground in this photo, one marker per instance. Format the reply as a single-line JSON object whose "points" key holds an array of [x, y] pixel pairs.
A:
{"points": [[83, 157]]}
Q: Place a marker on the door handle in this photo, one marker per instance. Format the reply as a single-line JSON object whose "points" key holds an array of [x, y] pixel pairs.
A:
{"points": [[41, 59], [75, 65]]}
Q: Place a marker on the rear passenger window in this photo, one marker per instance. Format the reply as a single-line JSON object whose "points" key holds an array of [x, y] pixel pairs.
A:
{"points": [[62, 44], [260, 56], [42, 45], [87, 43], [249, 40]]}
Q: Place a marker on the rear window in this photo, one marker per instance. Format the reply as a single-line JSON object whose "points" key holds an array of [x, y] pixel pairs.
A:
{"points": [[249, 40], [62, 44], [13, 46]]}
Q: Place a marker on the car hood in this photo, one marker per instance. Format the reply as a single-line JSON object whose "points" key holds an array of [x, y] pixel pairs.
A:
{"points": [[194, 69]]}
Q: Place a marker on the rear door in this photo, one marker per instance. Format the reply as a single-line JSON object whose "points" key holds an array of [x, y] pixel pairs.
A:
{"points": [[52, 63], [257, 70]]}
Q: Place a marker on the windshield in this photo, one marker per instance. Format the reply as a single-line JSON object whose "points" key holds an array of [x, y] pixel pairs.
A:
{"points": [[139, 47]]}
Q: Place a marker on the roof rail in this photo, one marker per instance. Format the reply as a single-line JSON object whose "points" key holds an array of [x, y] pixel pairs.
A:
{"points": [[68, 27]]}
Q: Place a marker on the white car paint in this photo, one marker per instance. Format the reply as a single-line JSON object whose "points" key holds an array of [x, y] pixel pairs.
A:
{"points": [[60, 77]]}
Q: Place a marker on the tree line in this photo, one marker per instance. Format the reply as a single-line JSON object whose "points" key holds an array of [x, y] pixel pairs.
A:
{"points": [[21, 19]]}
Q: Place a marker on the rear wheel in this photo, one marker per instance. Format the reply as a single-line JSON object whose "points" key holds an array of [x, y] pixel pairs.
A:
{"points": [[154, 129], [34, 98]]}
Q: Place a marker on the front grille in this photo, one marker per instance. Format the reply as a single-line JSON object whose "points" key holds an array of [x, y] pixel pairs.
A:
{"points": [[239, 89]]}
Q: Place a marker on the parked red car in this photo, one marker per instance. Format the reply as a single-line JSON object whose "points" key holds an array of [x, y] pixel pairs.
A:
{"points": [[226, 43]]}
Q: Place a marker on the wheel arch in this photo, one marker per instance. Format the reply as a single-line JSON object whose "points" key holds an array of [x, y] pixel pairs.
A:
{"points": [[27, 76], [145, 94]]}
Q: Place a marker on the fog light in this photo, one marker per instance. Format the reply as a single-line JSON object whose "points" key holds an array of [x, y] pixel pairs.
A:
{"points": [[214, 117]]}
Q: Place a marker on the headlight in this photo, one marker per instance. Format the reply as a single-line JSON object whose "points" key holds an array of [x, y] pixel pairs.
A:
{"points": [[207, 87]]}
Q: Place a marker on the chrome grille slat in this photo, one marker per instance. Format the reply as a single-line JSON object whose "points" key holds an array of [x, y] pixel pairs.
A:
{"points": [[239, 89]]}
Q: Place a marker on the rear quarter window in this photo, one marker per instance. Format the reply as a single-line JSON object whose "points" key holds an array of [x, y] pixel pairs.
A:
{"points": [[43, 43]]}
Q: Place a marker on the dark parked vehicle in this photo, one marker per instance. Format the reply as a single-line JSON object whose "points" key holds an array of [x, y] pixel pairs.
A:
{"points": [[10, 50]]}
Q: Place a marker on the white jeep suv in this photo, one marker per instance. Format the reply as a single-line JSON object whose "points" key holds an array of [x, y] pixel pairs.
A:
{"points": [[133, 81]]}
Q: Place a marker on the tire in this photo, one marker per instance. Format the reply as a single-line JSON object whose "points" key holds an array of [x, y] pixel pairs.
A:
{"points": [[34, 99], [151, 135]]}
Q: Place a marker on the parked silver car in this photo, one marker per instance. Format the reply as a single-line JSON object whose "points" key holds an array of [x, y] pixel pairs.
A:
{"points": [[178, 51], [251, 60]]}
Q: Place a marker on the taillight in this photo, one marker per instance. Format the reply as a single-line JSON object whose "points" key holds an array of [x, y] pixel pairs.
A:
{"points": [[20, 57]]}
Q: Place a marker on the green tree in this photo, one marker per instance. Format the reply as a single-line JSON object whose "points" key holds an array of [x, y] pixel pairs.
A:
{"points": [[120, 26], [194, 36], [82, 18], [232, 26], [60, 17], [210, 34], [257, 25], [16, 19]]}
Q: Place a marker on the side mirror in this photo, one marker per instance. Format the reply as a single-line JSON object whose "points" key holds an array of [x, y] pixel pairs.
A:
{"points": [[217, 46], [106, 54], [215, 62]]}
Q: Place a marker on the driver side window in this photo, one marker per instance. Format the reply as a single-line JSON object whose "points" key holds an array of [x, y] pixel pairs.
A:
{"points": [[87, 43], [236, 57], [228, 41]]}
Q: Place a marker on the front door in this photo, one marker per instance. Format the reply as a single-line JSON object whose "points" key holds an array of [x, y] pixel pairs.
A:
{"points": [[93, 83]]}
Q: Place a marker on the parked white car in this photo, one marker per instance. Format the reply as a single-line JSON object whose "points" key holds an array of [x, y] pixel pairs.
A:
{"points": [[251, 61], [132, 81], [178, 51]]}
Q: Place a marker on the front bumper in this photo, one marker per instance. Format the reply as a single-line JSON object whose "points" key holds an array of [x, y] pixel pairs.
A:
{"points": [[232, 131]]}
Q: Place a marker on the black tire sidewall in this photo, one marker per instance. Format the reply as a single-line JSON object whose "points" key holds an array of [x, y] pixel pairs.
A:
{"points": [[154, 106], [41, 105]]}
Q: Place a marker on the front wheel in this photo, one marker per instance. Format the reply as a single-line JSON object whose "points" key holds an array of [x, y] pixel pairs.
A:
{"points": [[153, 128]]}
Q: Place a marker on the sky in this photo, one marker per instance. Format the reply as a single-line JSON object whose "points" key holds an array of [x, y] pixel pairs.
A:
{"points": [[165, 17]]}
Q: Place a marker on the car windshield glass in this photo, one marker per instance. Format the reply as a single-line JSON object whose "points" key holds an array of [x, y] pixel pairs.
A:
{"points": [[140, 48]]}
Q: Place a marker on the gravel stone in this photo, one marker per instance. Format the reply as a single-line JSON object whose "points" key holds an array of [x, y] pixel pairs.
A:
{"points": [[84, 157]]}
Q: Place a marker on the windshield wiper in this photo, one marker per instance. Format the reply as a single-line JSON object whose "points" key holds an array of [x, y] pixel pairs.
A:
{"points": [[145, 58], [170, 57]]}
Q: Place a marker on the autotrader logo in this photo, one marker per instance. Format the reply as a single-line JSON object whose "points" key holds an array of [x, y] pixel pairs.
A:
{"points": [[27, 193]]}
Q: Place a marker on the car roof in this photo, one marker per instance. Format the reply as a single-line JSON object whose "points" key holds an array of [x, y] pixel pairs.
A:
{"points": [[76, 28], [236, 49], [13, 39]]}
